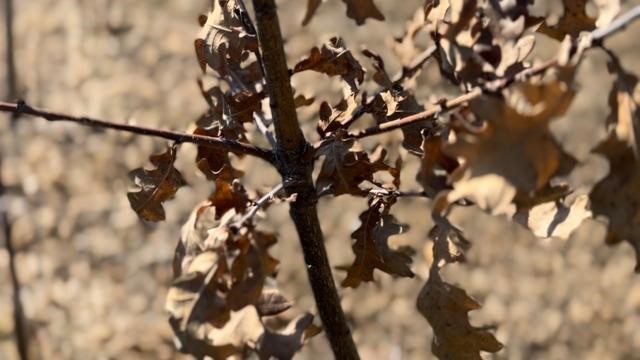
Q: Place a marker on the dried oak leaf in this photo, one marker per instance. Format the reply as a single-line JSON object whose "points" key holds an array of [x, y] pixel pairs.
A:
{"points": [[446, 307], [436, 166], [334, 118], [213, 162], [346, 165], [312, 7], [372, 249], [156, 186], [272, 302], [623, 100], [226, 39], [333, 59], [617, 196], [361, 10], [226, 276], [394, 102], [572, 23], [554, 218], [513, 151]]}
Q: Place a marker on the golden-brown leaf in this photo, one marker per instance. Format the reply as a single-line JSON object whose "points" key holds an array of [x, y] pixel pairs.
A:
{"points": [[361, 10], [572, 23], [156, 186], [513, 150], [446, 307], [333, 59], [372, 249], [555, 218]]}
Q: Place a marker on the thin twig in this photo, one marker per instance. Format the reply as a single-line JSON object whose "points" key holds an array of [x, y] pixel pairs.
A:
{"points": [[436, 110], [262, 202], [229, 145], [264, 129]]}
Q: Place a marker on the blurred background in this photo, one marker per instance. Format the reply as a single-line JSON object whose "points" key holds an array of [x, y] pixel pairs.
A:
{"points": [[94, 277]]}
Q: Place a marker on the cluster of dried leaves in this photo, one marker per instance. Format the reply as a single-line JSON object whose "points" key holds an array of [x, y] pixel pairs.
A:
{"points": [[493, 149]]}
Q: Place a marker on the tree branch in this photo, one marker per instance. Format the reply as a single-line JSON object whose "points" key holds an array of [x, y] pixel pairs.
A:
{"points": [[399, 78], [436, 110], [295, 164], [21, 108]]}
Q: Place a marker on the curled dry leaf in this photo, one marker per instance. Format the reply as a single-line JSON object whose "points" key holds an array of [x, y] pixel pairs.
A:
{"points": [[446, 307], [572, 23], [272, 302], [513, 149], [214, 163], [156, 186], [334, 118], [361, 10], [346, 165], [226, 39], [436, 166], [394, 102], [371, 246], [623, 100], [555, 218], [312, 7], [333, 59], [617, 196]]}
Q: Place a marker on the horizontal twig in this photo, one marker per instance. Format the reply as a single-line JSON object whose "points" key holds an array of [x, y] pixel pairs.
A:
{"points": [[21, 108]]}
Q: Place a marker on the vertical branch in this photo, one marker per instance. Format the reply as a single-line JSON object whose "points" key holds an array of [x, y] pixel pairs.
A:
{"points": [[19, 323], [294, 159], [12, 92]]}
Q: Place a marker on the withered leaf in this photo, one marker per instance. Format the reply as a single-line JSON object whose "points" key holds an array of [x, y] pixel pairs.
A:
{"points": [[312, 7], [372, 249], [334, 118], [555, 218], [285, 343], [225, 40], [573, 21], [156, 186], [513, 150], [446, 307], [346, 165], [436, 166], [333, 59], [228, 196], [623, 100], [272, 302], [361, 10], [214, 163], [617, 196]]}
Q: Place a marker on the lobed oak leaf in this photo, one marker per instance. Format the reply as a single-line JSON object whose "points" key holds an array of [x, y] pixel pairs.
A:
{"points": [[333, 59], [617, 196], [214, 163], [226, 39], [156, 186], [372, 249], [394, 102], [285, 343], [513, 150], [361, 10], [346, 165], [436, 166], [572, 22], [446, 308], [334, 118]]}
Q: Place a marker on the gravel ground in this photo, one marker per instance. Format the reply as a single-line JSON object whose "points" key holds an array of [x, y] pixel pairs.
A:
{"points": [[94, 277]]}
